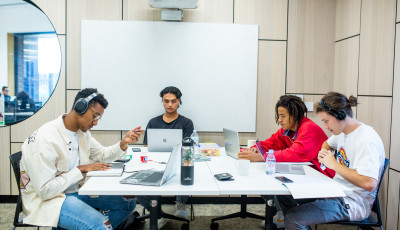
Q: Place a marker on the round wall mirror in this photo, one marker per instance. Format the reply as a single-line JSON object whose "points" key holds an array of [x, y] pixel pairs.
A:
{"points": [[30, 60]]}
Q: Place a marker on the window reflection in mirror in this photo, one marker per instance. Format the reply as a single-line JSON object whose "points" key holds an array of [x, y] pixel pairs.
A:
{"points": [[30, 60]]}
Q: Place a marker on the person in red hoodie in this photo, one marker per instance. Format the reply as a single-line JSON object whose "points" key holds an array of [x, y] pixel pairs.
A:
{"points": [[298, 140]]}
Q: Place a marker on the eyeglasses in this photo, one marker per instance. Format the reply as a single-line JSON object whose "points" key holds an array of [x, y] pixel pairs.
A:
{"points": [[97, 116]]}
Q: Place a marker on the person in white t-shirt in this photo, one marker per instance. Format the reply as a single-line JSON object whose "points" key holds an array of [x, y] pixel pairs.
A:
{"points": [[358, 165]]}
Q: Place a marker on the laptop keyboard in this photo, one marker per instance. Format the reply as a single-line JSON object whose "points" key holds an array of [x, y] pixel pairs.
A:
{"points": [[153, 178]]}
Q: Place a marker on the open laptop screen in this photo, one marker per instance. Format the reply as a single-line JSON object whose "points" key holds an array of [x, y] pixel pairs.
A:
{"points": [[231, 142]]}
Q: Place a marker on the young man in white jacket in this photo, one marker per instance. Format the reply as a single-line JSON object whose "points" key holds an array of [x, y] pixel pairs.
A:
{"points": [[55, 160]]}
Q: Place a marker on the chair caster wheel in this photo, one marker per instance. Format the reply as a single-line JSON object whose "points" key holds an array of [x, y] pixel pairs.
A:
{"points": [[214, 226], [185, 226], [136, 214]]}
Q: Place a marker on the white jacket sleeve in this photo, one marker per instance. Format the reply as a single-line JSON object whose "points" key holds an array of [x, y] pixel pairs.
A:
{"points": [[46, 180], [99, 153]]}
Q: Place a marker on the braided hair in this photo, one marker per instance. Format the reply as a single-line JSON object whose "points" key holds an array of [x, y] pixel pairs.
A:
{"points": [[294, 105]]}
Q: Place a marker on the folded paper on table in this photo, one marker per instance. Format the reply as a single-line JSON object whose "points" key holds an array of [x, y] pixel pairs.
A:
{"points": [[314, 190]]}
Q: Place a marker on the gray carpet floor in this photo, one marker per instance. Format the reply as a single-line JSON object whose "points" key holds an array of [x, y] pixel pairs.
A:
{"points": [[203, 215]]}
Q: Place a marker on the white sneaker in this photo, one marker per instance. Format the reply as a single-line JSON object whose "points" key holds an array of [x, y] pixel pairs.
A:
{"points": [[180, 210], [161, 222], [278, 220]]}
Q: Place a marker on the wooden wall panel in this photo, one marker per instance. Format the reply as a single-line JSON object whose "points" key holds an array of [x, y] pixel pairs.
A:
{"points": [[270, 15], [15, 147], [347, 18], [383, 196], [210, 11], [140, 10], [369, 111], [53, 108], [106, 138], [78, 10], [393, 208], [312, 115], [346, 66], [270, 85], [395, 137], [207, 11], [71, 94], [55, 11], [311, 33], [377, 47], [5, 165]]}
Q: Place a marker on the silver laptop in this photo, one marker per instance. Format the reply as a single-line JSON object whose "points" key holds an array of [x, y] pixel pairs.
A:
{"points": [[156, 178], [231, 142], [162, 140]]}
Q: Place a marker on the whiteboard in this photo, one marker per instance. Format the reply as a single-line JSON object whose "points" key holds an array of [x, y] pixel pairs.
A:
{"points": [[214, 66]]}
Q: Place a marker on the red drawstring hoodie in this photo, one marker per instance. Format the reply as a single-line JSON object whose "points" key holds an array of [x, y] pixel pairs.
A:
{"points": [[300, 146]]}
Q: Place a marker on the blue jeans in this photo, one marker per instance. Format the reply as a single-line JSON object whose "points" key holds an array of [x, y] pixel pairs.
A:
{"points": [[145, 200], [301, 213], [79, 212]]}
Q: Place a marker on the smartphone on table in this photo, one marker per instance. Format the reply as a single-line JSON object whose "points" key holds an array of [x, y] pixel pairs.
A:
{"points": [[283, 179]]}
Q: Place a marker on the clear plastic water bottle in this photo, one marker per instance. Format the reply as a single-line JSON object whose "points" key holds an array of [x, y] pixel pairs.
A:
{"points": [[195, 138], [270, 163]]}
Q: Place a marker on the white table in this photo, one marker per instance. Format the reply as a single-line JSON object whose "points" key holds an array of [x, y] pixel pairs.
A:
{"points": [[203, 185], [256, 183], [203, 182]]}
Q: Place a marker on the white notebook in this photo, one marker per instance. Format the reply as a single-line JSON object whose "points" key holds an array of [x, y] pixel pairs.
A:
{"points": [[116, 170]]}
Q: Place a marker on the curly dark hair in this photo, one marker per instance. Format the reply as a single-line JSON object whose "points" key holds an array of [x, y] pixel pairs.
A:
{"points": [[294, 105], [84, 93]]}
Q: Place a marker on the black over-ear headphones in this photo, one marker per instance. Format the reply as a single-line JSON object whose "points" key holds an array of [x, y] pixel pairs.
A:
{"points": [[339, 114], [82, 104]]}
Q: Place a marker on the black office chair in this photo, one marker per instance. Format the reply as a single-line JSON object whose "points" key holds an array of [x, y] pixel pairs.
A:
{"points": [[18, 222], [243, 213], [371, 220]]}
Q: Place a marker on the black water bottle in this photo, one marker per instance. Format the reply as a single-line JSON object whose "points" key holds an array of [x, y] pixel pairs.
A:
{"points": [[187, 164]]}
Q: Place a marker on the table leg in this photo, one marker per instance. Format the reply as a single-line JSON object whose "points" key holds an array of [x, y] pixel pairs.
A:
{"points": [[270, 211], [155, 212]]}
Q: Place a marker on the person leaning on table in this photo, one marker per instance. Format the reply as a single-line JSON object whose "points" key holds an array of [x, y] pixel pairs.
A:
{"points": [[55, 160], [359, 164], [298, 140]]}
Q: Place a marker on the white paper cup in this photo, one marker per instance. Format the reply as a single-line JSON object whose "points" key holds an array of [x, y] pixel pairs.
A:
{"points": [[243, 167], [250, 143]]}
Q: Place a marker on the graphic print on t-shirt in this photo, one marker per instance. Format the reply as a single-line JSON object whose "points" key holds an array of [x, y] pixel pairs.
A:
{"points": [[342, 157]]}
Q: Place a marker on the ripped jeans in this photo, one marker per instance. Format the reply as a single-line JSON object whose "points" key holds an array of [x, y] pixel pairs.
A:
{"points": [[79, 212]]}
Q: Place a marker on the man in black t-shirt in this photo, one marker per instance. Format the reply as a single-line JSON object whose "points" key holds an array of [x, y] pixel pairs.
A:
{"points": [[171, 119]]}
